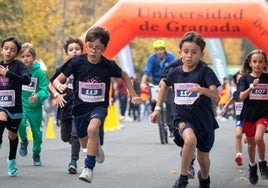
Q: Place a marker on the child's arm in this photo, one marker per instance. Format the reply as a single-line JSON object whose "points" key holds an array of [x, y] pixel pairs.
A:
{"points": [[135, 98], [59, 83], [211, 92], [244, 94], [223, 110], [160, 98]]}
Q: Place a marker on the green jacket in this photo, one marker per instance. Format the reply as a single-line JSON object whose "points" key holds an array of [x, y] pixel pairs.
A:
{"points": [[38, 85]]}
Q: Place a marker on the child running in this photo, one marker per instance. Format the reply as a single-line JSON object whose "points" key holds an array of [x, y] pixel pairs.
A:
{"points": [[72, 47], [195, 87], [92, 74], [238, 126], [13, 74], [33, 97], [252, 89]]}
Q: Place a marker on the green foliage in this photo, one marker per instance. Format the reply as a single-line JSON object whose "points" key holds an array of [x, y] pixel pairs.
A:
{"points": [[11, 16]]}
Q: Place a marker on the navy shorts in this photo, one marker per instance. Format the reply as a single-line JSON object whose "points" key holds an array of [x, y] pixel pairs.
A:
{"points": [[204, 141], [239, 123], [81, 122]]}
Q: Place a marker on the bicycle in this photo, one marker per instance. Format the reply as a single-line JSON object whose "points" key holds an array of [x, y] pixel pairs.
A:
{"points": [[162, 122]]}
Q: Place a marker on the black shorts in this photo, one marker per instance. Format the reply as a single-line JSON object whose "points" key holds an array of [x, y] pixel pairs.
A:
{"points": [[204, 141]]}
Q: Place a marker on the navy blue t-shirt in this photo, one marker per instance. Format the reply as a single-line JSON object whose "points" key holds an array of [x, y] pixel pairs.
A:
{"points": [[90, 81], [252, 109], [176, 63], [200, 113]]}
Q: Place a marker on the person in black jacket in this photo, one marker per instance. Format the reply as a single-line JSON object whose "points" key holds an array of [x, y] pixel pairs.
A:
{"points": [[13, 74]]}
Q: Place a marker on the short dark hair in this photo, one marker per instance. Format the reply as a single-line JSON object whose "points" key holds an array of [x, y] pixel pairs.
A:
{"points": [[98, 32], [193, 36], [13, 39]]}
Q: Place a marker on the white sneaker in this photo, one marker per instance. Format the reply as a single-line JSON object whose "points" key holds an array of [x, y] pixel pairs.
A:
{"points": [[84, 150], [100, 155], [86, 175]]}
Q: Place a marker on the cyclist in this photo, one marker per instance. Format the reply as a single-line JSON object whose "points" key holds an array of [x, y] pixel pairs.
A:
{"points": [[156, 63]]}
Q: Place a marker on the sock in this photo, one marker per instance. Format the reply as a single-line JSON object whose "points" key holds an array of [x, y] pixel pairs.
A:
{"points": [[239, 154], [184, 178], [252, 164], [2, 128], [90, 162], [13, 145]]}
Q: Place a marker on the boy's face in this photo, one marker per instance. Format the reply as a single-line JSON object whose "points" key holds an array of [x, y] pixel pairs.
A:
{"points": [[73, 50], [94, 50], [190, 53], [9, 51]]}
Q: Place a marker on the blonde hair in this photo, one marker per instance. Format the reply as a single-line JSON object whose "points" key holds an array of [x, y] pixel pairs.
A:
{"points": [[30, 47]]}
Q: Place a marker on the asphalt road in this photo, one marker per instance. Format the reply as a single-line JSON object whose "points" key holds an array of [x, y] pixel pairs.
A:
{"points": [[134, 159]]}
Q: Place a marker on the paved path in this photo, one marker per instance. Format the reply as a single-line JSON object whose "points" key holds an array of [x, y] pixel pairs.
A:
{"points": [[134, 159]]}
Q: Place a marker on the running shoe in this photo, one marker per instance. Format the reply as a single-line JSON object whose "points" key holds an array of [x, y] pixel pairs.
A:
{"points": [[239, 160], [100, 155], [12, 169], [37, 160], [86, 175], [23, 148], [263, 169], [203, 183], [72, 167], [181, 183], [253, 176], [191, 172]]}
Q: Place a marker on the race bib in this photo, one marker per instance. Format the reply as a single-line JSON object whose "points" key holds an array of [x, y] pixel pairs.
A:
{"points": [[91, 92], [7, 98], [259, 92], [238, 108], [31, 87], [183, 96], [70, 82]]}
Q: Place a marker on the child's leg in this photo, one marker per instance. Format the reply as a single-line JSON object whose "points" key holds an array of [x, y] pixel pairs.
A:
{"points": [[35, 120], [187, 150], [260, 130], [2, 128], [204, 163], [238, 139], [251, 149]]}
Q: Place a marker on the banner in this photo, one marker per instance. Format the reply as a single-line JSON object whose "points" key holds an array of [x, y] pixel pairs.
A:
{"points": [[126, 60], [129, 19], [217, 56]]}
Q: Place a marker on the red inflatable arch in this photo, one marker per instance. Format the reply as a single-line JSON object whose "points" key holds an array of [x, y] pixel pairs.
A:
{"points": [[128, 19]]}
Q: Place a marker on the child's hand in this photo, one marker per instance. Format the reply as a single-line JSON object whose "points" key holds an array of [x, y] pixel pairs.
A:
{"points": [[62, 87], [33, 98], [154, 116], [222, 112], [3, 70], [195, 88], [60, 100], [256, 82]]}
